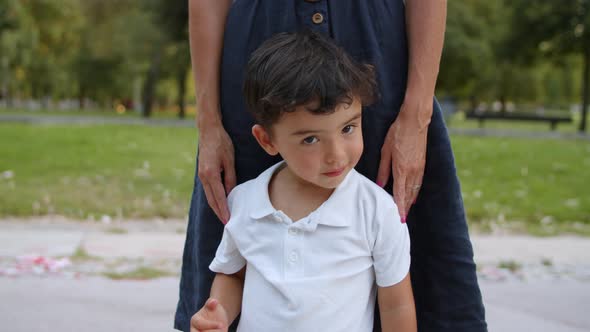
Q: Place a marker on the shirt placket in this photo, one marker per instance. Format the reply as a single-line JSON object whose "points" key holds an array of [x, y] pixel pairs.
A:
{"points": [[293, 252]]}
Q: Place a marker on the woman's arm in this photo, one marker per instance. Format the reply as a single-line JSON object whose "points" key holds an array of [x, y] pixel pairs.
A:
{"points": [[396, 307], [425, 21], [404, 149], [216, 152]]}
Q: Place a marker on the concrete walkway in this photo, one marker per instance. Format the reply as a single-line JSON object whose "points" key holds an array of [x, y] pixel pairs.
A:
{"points": [[553, 298]]}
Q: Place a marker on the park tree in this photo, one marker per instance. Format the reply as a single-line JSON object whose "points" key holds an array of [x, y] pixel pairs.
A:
{"points": [[173, 17], [53, 26], [12, 18], [171, 58], [477, 62], [467, 52], [553, 30], [117, 40]]}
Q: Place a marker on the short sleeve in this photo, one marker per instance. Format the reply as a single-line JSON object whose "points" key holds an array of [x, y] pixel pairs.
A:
{"points": [[391, 250], [228, 259]]}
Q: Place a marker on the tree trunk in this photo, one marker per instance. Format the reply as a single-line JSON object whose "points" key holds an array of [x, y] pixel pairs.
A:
{"points": [[137, 106], [473, 104], [81, 97], [503, 104], [585, 88], [181, 81], [5, 80], [150, 84]]}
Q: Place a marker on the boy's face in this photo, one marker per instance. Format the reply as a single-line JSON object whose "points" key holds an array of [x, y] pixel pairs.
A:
{"points": [[320, 149]]}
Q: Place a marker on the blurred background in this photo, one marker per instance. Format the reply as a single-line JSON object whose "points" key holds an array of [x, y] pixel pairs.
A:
{"points": [[97, 133], [511, 84]]}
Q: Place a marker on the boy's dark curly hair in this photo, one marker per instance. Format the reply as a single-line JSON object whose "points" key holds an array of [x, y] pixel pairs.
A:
{"points": [[293, 69]]}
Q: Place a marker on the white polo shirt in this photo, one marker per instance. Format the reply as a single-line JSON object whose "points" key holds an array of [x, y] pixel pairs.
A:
{"points": [[318, 273]]}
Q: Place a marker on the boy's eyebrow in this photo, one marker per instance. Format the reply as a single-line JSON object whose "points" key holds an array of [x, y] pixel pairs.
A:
{"points": [[311, 131], [305, 132], [355, 117]]}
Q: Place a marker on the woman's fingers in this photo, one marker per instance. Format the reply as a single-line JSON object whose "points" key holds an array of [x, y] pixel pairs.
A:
{"points": [[211, 199], [220, 200], [410, 195], [384, 166], [216, 156], [229, 173], [214, 193], [399, 195]]}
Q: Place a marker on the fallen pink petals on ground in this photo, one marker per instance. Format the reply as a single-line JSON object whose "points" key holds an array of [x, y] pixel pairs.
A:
{"points": [[35, 265]]}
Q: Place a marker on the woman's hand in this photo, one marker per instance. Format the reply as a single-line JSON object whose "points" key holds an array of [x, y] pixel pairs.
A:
{"points": [[404, 153], [212, 317], [216, 155]]}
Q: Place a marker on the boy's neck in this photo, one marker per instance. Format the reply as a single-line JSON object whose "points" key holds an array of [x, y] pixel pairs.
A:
{"points": [[294, 196]]}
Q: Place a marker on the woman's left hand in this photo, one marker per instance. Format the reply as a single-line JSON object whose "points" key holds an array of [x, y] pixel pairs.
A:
{"points": [[404, 153]]}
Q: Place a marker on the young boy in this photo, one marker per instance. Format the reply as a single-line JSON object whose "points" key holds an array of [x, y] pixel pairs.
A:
{"points": [[310, 242]]}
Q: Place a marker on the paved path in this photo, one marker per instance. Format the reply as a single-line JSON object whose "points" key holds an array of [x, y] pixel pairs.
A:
{"points": [[99, 304], [553, 298]]}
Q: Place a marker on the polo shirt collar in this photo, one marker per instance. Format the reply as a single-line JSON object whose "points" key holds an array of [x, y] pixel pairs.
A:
{"points": [[332, 212], [261, 206]]}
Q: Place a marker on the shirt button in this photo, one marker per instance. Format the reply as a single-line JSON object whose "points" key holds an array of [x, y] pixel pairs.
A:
{"points": [[317, 18], [293, 231], [293, 256]]}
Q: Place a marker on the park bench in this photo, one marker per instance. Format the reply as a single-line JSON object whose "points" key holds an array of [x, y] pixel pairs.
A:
{"points": [[516, 116]]}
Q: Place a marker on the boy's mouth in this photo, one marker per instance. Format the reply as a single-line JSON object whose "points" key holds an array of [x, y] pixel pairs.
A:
{"points": [[335, 172]]}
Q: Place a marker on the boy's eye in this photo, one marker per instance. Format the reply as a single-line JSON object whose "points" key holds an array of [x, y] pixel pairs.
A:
{"points": [[348, 129], [310, 140]]}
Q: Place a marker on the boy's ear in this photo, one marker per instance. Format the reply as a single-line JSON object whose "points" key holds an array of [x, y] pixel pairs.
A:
{"points": [[263, 138]]}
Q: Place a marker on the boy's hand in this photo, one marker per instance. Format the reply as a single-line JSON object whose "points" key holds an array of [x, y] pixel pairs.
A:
{"points": [[212, 317]]}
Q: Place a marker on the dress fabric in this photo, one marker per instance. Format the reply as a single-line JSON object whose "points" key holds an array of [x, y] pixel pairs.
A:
{"points": [[444, 280]]}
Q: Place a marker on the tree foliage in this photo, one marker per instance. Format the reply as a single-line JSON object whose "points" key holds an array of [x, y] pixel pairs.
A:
{"points": [[109, 51]]}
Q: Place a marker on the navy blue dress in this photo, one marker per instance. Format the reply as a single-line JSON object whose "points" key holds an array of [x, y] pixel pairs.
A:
{"points": [[443, 274]]}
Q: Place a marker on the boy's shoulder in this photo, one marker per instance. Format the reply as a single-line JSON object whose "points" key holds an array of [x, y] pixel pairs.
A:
{"points": [[243, 193], [371, 193], [362, 202], [251, 196]]}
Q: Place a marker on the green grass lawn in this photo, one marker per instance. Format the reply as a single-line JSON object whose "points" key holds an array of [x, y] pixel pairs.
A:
{"points": [[109, 113], [82, 171], [542, 186], [539, 186]]}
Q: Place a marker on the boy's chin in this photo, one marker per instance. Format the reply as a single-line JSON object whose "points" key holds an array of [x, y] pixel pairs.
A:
{"points": [[332, 183]]}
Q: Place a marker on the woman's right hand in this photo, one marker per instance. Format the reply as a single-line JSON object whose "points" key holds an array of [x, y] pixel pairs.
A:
{"points": [[212, 317], [216, 157]]}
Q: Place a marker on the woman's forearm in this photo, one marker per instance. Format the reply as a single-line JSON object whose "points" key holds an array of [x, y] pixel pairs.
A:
{"points": [[206, 27], [425, 21]]}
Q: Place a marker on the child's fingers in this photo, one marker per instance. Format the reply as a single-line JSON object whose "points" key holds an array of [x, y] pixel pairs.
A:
{"points": [[211, 304], [202, 324]]}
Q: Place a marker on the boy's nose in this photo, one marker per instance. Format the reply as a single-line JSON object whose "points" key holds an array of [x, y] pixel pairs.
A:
{"points": [[335, 153]]}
